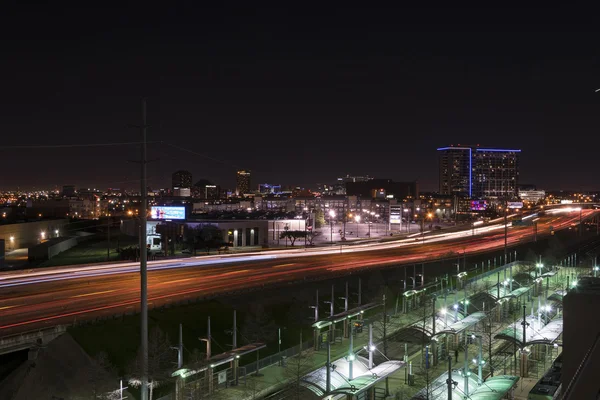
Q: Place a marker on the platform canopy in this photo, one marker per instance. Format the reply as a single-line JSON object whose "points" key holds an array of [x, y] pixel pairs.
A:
{"points": [[517, 292], [557, 296], [363, 379], [506, 293], [344, 315], [548, 334], [494, 388], [463, 324], [535, 332], [220, 359]]}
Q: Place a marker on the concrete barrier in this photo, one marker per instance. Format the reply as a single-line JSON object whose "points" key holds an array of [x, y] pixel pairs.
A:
{"points": [[10, 344]]}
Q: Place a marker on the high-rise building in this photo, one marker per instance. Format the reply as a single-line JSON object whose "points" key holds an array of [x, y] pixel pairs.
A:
{"points": [[455, 170], [204, 189], [182, 180], [496, 173], [242, 182], [472, 171]]}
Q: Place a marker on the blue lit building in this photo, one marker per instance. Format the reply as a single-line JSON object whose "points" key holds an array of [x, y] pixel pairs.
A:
{"points": [[476, 172], [266, 188]]}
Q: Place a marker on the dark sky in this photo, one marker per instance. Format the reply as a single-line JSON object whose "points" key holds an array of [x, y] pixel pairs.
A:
{"points": [[298, 95]]}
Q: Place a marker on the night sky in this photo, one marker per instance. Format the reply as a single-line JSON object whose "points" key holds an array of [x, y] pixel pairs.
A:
{"points": [[299, 95]]}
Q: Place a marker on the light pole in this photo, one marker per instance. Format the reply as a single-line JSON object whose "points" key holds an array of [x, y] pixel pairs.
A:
{"points": [[505, 230], [144, 259], [331, 216], [357, 219]]}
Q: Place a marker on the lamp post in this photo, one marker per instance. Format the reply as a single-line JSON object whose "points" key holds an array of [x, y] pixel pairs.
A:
{"points": [[357, 219], [429, 216], [331, 216]]}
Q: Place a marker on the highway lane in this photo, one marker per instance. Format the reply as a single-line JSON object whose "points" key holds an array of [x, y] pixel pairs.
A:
{"points": [[74, 272], [41, 303]]}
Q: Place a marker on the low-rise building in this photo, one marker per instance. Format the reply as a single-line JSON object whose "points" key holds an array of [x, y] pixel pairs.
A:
{"points": [[235, 233], [532, 196]]}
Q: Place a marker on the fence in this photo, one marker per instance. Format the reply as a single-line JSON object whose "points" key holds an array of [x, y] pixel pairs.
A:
{"points": [[276, 358]]}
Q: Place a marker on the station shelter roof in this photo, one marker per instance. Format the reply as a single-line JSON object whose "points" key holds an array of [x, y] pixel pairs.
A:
{"points": [[363, 377], [536, 332], [463, 324], [494, 388], [344, 315]]}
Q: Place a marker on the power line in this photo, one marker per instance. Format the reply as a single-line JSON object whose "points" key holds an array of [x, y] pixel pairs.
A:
{"points": [[58, 146]]}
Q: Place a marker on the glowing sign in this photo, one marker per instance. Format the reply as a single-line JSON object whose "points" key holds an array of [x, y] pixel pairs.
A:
{"points": [[395, 214], [478, 205], [515, 204], [167, 212]]}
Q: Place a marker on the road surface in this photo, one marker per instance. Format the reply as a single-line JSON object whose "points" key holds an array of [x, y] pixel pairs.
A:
{"points": [[43, 298]]}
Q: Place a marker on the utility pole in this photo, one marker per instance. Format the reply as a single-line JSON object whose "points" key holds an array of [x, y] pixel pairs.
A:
{"points": [[505, 229], [180, 348], [144, 260], [108, 237], [449, 381], [359, 292], [385, 344], [433, 343], [328, 369], [234, 345], [580, 226]]}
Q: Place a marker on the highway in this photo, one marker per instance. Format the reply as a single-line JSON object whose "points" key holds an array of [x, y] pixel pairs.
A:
{"points": [[42, 298]]}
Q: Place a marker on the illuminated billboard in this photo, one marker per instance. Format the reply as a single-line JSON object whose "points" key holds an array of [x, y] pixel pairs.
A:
{"points": [[515, 204], [167, 212], [478, 205], [395, 214]]}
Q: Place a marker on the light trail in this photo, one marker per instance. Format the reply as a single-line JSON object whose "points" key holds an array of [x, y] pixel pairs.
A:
{"points": [[37, 299]]}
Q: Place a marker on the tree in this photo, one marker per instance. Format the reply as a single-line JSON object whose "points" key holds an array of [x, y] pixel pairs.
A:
{"points": [[207, 237], [190, 238], [161, 359], [292, 235], [531, 256], [311, 235], [319, 218], [211, 237], [554, 251], [298, 313], [297, 367], [258, 325], [100, 370]]}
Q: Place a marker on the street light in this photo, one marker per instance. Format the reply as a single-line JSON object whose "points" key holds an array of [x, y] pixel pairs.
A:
{"points": [[357, 219]]}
